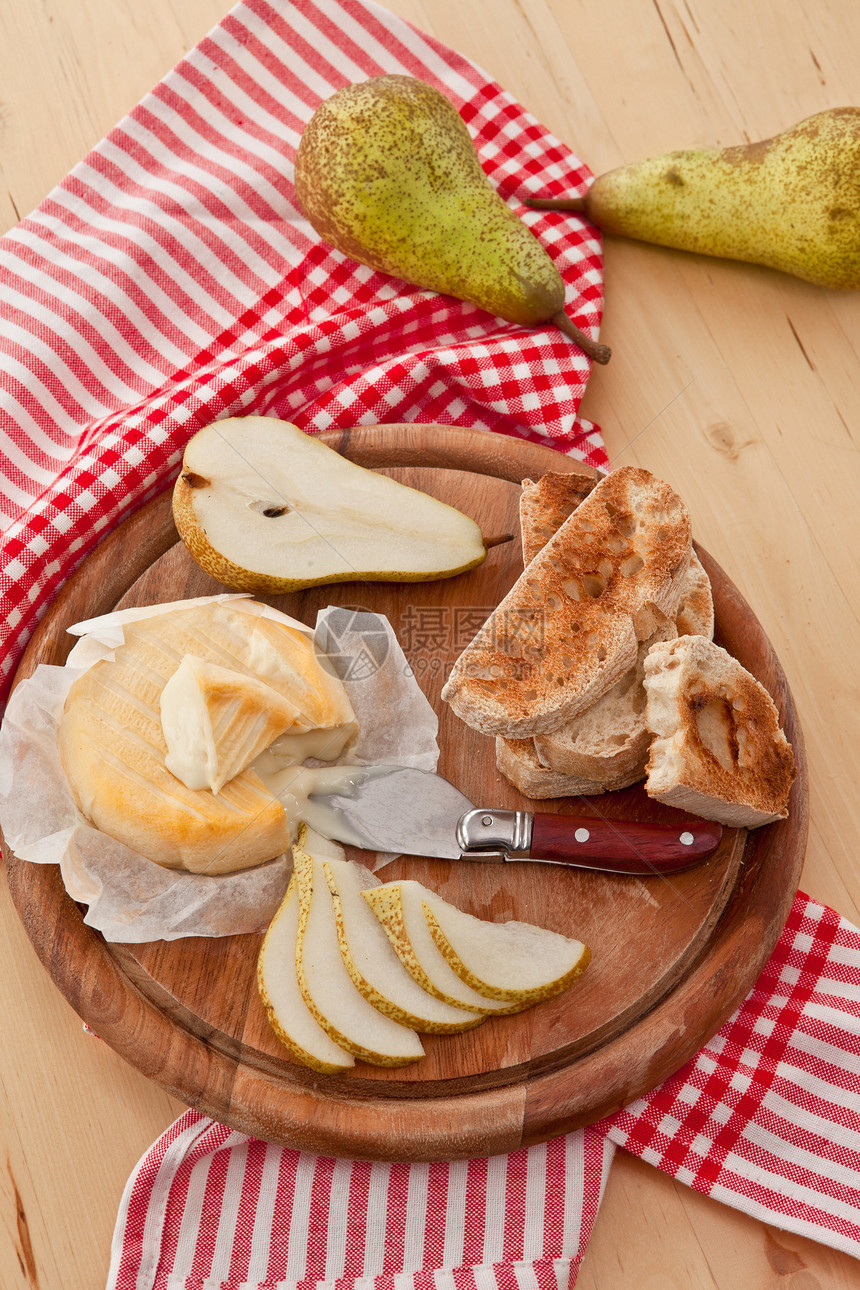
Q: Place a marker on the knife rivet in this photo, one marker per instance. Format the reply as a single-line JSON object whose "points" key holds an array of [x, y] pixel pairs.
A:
{"points": [[686, 839], [486, 820], [582, 835]]}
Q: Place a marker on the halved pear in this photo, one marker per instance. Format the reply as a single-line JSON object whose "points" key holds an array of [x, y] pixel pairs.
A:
{"points": [[326, 986], [262, 506], [407, 930], [374, 966], [514, 961], [288, 1014]]}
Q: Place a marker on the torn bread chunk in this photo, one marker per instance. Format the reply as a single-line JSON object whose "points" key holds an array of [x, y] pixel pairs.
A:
{"points": [[718, 751], [518, 761], [570, 626], [610, 741]]}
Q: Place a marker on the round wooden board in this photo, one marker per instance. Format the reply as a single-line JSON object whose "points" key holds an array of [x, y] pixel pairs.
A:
{"points": [[672, 958]]}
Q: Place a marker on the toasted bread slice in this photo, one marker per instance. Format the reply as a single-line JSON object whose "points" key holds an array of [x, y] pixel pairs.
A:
{"points": [[610, 740], [546, 503], [518, 761], [718, 750], [695, 616], [570, 626]]}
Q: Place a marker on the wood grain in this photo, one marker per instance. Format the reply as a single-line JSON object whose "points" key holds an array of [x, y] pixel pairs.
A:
{"points": [[672, 955], [737, 385]]}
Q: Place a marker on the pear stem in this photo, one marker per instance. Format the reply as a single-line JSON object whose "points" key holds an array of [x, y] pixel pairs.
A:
{"points": [[556, 203], [596, 352], [498, 539]]}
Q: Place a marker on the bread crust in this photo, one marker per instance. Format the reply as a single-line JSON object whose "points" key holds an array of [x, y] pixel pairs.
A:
{"points": [[518, 761], [569, 628], [718, 749], [695, 616], [546, 503], [610, 739]]}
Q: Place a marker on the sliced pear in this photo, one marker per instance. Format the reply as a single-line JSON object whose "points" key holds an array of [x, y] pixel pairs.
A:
{"points": [[326, 986], [407, 930], [288, 1014], [513, 961], [262, 506], [216, 721], [322, 848], [374, 966]]}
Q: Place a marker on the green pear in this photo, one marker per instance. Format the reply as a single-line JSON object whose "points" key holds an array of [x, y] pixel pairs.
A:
{"points": [[387, 173], [790, 203]]}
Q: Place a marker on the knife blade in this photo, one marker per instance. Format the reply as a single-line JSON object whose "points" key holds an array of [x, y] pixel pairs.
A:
{"points": [[414, 812]]}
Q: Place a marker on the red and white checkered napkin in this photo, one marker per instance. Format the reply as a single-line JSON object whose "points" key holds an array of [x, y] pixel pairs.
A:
{"points": [[170, 280], [766, 1119]]}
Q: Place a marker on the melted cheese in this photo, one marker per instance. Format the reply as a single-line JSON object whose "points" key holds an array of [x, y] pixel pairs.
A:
{"points": [[216, 721]]}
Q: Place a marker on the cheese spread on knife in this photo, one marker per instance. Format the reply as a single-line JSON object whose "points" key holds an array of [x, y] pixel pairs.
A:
{"points": [[157, 741]]}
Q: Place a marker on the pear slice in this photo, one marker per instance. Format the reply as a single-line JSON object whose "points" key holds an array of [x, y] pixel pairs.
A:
{"points": [[374, 966], [262, 506], [288, 1014], [513, 961], [326, 986], [215, 721], [407, 930]]}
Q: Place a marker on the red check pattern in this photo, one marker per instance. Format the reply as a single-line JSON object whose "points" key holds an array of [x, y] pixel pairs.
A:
{"points": [[767, 1117], [171, 280]]}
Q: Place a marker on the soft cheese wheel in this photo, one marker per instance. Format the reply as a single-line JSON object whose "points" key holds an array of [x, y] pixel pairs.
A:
{"points": [[113, 749]]}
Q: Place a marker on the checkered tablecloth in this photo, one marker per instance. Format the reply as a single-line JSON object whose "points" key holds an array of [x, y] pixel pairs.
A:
{"points": [[170, 280], [766, 1119]]}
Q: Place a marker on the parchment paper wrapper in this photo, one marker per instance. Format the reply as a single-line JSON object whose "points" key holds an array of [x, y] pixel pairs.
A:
{"points": [[130, 899]]}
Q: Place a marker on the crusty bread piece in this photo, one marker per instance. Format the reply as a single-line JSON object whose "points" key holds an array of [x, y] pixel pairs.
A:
{"points": [[695, 616], [546, 503], [717, 751], [569, 627], [518, 762], [611, 739]]}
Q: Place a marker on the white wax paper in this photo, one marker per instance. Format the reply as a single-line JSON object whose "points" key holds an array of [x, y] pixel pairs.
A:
{"points": [[130, 899]]}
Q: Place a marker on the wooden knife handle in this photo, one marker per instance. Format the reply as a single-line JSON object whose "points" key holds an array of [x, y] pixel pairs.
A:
{"points": [[623, 846]]}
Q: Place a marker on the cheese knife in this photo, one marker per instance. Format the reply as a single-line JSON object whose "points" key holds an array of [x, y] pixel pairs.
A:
{"points": [[402, 810]]}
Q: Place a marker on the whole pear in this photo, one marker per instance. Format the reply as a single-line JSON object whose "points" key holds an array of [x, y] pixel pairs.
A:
{"points": [[386, 172], [791, 202]]}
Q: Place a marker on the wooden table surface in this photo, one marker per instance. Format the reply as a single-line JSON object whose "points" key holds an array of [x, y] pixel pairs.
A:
{"points": [[736, 384]]}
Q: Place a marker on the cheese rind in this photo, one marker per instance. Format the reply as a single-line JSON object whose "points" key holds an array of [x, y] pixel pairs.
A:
{"points": [[113, 748]]}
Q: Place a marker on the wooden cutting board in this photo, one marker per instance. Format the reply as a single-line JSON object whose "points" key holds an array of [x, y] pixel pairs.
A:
{"points": [[672, 958]]}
